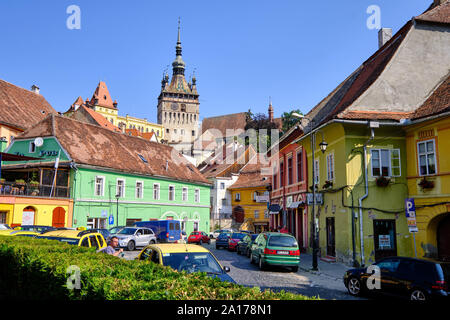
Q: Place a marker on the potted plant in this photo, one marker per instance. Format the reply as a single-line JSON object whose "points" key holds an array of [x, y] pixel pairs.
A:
{"points": [[328, 184], [2, 180], [20, 182], [426, 184], [383, 181], [34, 183]]}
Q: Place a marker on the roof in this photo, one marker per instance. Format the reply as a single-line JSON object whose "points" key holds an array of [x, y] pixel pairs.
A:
{"points": [[437, 102], [252, 175], [21, 108], [99, 119], [179, 248], [234, 121], [101, 97], [92, 145], [436, 14]]}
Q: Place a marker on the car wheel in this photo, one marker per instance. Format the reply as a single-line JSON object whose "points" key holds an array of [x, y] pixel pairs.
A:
{"points": [[152, 242], [209, 241], [354, 286], [200, 242], [131, 246], [251, 258], [418, 294], [247, 253], [261, 264], [294, 269]]}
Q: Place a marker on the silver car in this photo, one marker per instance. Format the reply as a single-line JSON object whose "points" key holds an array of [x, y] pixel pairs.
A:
{"points": [[132, 237]]}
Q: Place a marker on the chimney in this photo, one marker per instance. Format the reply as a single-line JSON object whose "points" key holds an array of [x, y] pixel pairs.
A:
{"points": [[35, 89], [384, 35]]}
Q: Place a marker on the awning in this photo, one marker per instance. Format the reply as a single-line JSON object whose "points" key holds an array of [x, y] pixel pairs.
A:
{"points": [[296, 204], [274, 209], [13, 157]]}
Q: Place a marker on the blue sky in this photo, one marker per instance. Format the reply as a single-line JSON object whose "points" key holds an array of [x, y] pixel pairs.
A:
{"points": [[243, 51]]}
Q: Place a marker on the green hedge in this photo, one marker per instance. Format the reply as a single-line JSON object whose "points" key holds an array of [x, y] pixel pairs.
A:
{"points": [[36, 269]]}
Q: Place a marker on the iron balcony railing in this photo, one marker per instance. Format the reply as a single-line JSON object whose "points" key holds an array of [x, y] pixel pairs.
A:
{"points": [[33, 190]]}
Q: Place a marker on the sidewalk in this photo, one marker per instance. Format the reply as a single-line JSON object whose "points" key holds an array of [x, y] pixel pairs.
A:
{"points": [[334, 270]]}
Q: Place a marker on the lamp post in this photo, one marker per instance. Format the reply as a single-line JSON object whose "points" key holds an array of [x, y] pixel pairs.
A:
{"points": [[117, 209], [323, 147]]}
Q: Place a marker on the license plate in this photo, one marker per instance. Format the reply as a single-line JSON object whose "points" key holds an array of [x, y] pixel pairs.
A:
{"points": [[282, 252]]}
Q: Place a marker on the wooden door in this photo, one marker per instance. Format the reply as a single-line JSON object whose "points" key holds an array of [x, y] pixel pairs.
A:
{"points": [[443, 234], [331, 242], [59, 217]]}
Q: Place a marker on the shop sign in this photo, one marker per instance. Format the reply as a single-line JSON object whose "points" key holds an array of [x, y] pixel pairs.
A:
{"points": [[384, 241], [319, 198]]}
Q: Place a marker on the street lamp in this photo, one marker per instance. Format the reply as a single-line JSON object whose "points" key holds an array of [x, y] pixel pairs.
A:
{"points": [[117, 212], [323, 147]]}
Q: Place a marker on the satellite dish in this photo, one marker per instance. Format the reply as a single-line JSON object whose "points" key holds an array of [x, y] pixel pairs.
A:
{"points": [[38, 142]]}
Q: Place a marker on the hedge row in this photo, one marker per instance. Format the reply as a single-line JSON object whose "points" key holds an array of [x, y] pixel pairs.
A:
{"points": [[37, 269]]}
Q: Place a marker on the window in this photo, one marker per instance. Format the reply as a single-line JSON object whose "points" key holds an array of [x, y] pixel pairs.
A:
{"points": [[426, 157], [299, 166], [99, 186], [155, 191], [237, 197], [197, 195], [185, 194], [289, 164], [193, 133], [171, 193], [386, 162], [139, 189], [120, 188], [275, 176], [222, 185], [32, 147], [256, 214], [316, 171], [281, 174], [330, 167], [142, 158]]}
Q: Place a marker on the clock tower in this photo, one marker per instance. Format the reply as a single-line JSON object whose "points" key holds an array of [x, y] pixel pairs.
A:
{"points": [[178, 105]]}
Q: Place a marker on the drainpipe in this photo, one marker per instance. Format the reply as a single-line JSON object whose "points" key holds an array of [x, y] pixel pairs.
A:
{"points": [[361, 232]]}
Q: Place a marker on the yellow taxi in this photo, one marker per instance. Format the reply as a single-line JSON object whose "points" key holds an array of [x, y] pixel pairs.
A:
{"points": [[14, 232], [185, 257], [86, 238]]}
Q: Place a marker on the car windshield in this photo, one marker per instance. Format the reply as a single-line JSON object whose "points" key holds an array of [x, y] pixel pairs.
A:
{"points": [[282, 241], [224, 235], [115, 229], [73, 241], [127, 231], [238, 235], [192, 262]]}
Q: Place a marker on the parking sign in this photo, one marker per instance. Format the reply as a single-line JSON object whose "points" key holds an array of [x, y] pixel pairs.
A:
{"points": [[410, 209]]}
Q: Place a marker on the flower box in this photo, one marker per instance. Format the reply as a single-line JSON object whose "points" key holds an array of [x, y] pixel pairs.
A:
{"points": [[426, 184], [383, 181]]}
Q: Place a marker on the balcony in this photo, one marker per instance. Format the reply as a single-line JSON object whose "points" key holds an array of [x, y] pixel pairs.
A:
{"points": [[33, 190]]}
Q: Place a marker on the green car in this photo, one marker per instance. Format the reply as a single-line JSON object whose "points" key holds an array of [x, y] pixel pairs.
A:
{"points": [[277, 249]]}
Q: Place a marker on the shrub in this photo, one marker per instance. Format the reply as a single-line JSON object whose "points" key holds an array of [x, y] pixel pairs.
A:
{"points": [[37, 269]]}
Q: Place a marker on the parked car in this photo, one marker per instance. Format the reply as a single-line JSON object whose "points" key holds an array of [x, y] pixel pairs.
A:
{"points": [[131, 237], [12, 232], [222, 240], [417, 279], [115, 230], [105, 232], [276, 249], [186, 257], [38, 229], [86, 238], [4, 226], [215, 233], [243, 246], [235, 237], [199, 237], [165, 230]]}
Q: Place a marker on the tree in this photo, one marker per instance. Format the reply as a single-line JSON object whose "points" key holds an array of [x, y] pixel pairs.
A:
{"points": [[288, 120], [258, 122]]}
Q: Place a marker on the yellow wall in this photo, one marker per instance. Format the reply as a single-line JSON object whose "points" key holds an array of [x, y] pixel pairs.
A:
{"points": [[428, 218], [8, 132], [249, 206]]}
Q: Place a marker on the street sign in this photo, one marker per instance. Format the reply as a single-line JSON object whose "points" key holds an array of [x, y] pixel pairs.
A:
{"points": [[410, 209], [111, 219], [319, 198]]}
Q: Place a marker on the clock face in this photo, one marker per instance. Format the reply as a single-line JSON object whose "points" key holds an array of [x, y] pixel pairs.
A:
{"points": [[174, 106]]}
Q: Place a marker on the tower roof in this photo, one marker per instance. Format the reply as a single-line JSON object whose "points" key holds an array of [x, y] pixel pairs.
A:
{"points": [[102, 97]]}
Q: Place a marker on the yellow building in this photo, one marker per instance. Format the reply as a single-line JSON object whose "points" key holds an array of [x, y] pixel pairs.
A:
{"points": [[102, 103], [249, 197], [428, 173]]}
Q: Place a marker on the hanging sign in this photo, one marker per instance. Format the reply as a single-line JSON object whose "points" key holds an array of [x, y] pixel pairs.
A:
{"points": [[410, 209]]}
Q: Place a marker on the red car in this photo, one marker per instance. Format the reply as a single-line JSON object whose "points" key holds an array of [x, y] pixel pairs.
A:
{"points": [[234, 239], [199, 237]]}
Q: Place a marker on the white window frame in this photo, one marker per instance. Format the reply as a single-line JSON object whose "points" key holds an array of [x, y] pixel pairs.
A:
{"points": [[390, 160], [121, 195], [168, 195], [142, 189], [256, 214], [316, 171], [197, 195], [237, 196], [102, 186], [426, 154], [185, 194], [330, 167], [158, 189]]}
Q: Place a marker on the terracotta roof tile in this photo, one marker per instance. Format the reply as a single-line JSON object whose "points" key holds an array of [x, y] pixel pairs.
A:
{"points": [[93, 145], [101, 97], [253, 174], [22, 108], [439, 14], [235, 121], [437, 102]]}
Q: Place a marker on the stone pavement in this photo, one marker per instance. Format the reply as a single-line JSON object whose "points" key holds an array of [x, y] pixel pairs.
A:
{"points": [[334, 270]]}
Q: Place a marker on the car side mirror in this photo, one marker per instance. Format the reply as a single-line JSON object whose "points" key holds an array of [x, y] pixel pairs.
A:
{"points": [[226, 269]]}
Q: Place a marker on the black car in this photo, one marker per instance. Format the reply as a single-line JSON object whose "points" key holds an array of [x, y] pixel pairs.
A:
{"points": [[243, 246], [222, 240], [417, 279]]}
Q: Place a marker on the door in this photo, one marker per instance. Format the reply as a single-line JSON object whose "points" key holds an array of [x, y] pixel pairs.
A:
{"points": [[443, 234], [59, 217], [140, 238], [385, 239], [331, 242], [28, 216], [389, 275]]}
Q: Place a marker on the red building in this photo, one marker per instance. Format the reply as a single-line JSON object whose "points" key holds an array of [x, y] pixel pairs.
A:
{"points": [[289, 187]]}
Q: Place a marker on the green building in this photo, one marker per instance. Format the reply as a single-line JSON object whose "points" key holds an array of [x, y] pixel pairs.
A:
{"points": [[110, 176]]}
